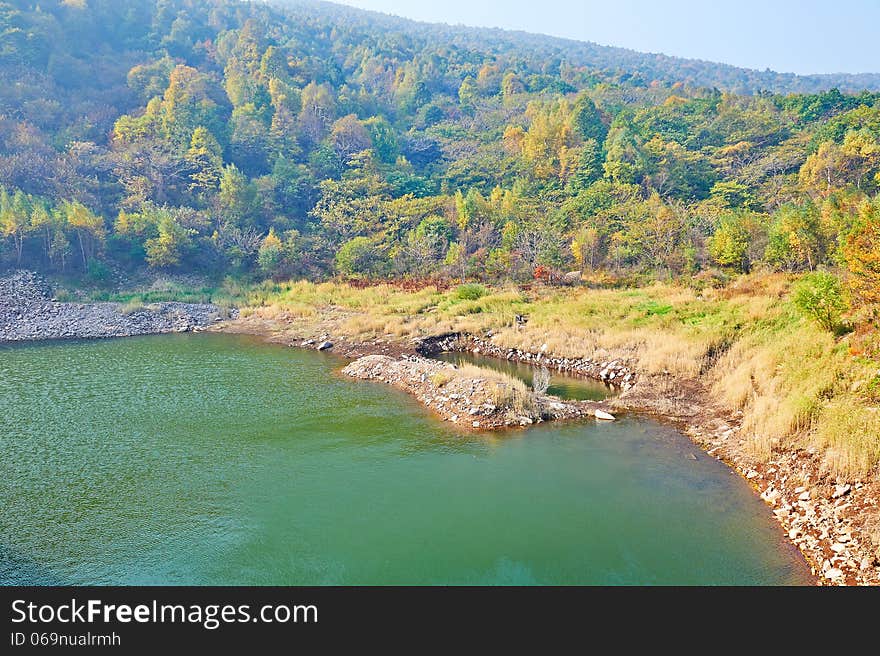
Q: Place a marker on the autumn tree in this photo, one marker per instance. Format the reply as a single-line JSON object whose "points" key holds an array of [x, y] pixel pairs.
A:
{"points": [[861, 253], [88, 226], [205, 157], [318, 109]]}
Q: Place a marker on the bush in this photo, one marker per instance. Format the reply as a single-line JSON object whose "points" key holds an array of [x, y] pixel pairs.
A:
{"points": [[819, 296], [358, 256], [470, 292]]}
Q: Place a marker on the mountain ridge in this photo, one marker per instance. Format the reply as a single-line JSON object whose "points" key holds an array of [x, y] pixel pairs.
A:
{"points": [[773, 81]]}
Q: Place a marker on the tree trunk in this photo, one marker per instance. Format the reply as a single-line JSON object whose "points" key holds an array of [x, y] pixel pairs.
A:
{"points": [[82, 250]]}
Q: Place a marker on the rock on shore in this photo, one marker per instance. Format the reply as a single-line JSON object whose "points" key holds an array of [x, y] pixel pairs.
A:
{"points": [[475, 399], [614, 373], [28, 312]]}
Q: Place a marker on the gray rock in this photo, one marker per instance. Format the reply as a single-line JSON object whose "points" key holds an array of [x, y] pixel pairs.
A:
{"points": [[28, 312]]}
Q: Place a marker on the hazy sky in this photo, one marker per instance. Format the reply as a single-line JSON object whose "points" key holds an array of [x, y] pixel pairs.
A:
{"points": [[798, 36]]}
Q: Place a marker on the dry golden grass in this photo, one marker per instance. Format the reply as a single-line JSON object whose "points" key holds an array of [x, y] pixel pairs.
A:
{"points": [[504, 391], [851, 436]]}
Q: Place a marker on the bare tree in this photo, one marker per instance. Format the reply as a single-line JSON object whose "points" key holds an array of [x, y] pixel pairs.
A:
{"points": [[541, 380]]}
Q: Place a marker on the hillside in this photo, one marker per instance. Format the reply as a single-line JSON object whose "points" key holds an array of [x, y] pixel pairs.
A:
{"points": [[310, 139], [606, 61]]}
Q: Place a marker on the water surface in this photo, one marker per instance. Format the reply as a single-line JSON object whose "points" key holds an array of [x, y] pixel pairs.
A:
{"points": [[213, 459]]}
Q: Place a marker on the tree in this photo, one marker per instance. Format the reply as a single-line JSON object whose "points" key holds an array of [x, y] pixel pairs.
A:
{"points": [[511, 86], [349, 136], [169, 246], [819, 295], [271, 254], [585, 246], [739, 240], [548, 138], [89, 228], [250, 141], [587, 120], [283, 130], [317, 112], [423, 246], [357, 257], [191, 100], [383, 138], [587, 167], [861, 253], [795, 238], [151, 80], [824, 170], [205, 157], [236, 200], [15, 215], [467, 93]]}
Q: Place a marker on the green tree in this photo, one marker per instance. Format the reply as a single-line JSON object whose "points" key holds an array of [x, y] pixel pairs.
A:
{"points": [[358, 257], [739, 240], [89, 228], [819, 295], [236, 200], [795, 238], [170, 244], [587, 120], [205, 157], [15, 219], [467, 93]]}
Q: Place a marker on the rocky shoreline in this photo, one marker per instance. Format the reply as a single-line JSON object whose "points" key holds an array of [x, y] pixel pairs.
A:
{"points": [[614, 373], [29, 312], [473, 399]]}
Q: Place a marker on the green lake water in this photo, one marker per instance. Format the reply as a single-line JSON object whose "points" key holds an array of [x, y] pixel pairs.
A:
{"points": [[214, 459]]}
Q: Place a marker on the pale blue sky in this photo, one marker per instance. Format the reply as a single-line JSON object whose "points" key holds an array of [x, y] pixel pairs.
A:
{"points": [[796, 36]]}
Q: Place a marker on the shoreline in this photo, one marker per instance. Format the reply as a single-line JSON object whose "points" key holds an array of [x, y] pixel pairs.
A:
{"points": [[823, 516], [29, 313]]}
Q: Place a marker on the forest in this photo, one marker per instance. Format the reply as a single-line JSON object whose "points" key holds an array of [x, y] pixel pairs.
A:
{"points": [[309, 140]]}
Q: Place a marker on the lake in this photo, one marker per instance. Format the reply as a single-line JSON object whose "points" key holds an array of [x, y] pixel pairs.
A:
{"points": [[218, 459]]}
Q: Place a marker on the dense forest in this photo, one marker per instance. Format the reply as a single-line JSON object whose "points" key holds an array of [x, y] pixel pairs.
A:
{"points": [[309, 139]]}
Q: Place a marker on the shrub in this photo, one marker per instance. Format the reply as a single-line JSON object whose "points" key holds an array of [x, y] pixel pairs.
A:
{"points": [[470, 292], [358, 256], [819, 296]]}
